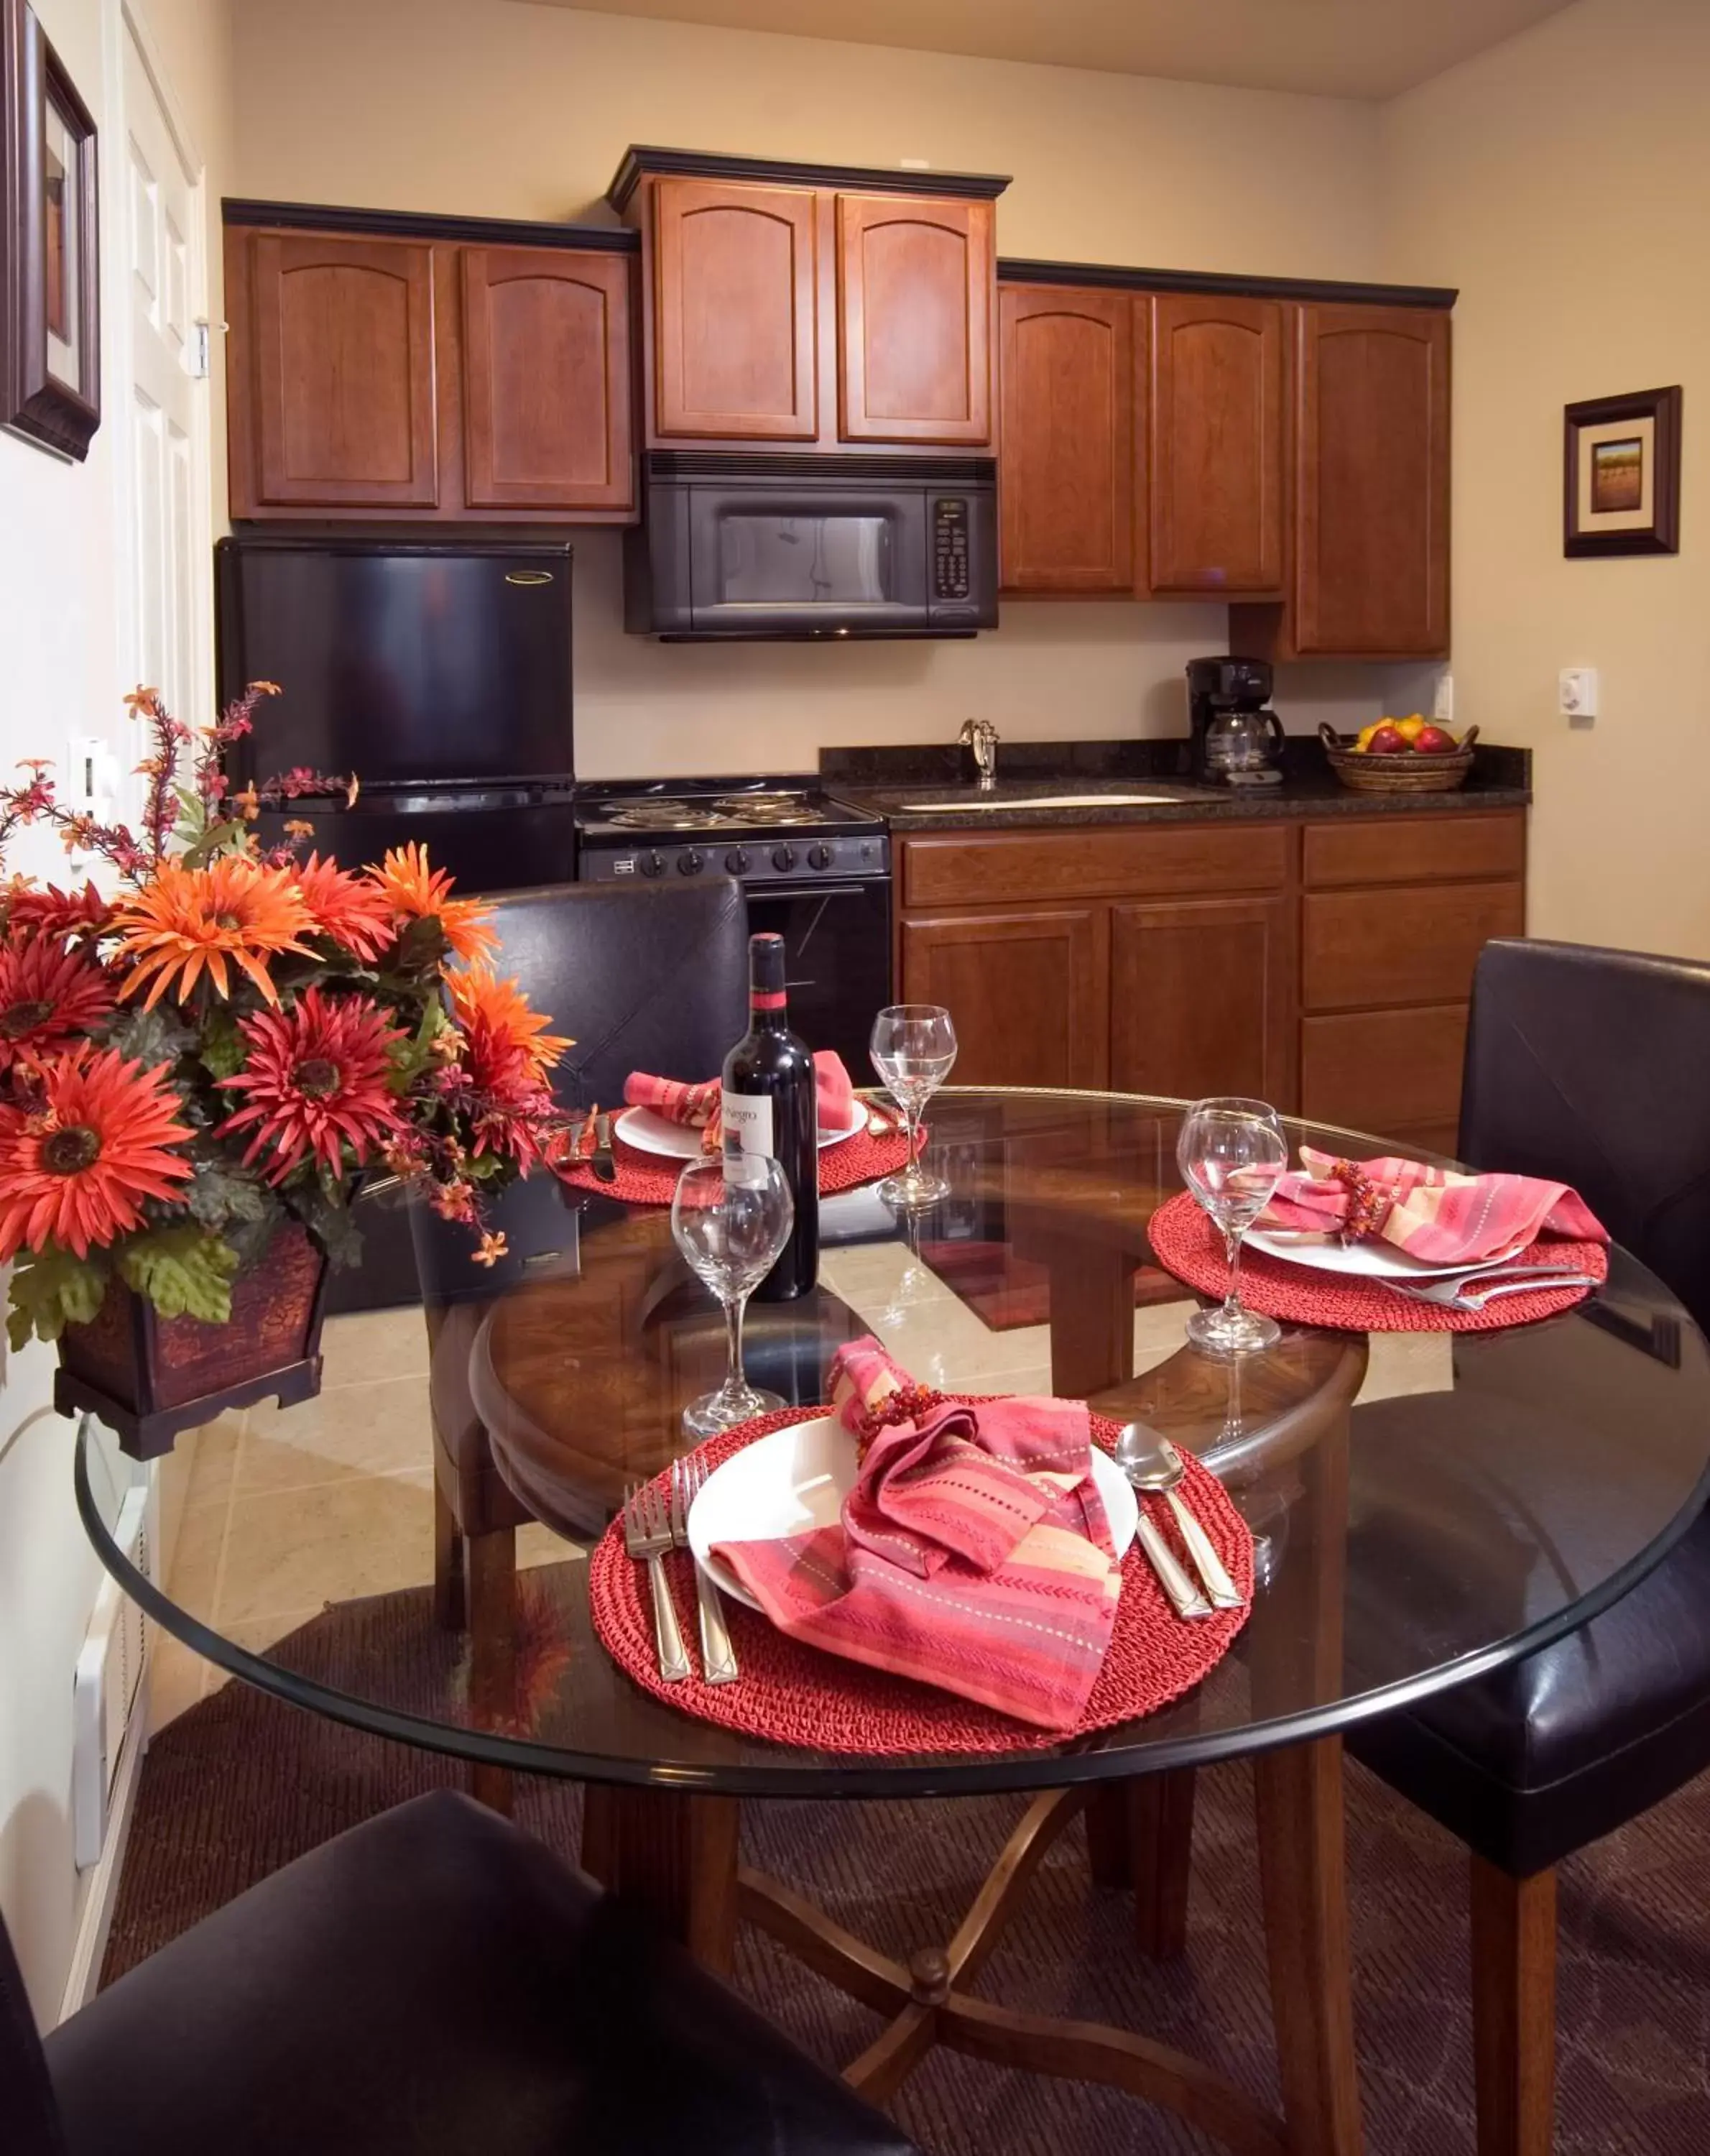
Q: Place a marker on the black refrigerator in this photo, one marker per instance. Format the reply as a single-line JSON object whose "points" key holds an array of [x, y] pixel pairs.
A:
{"points": [[437, 672]]}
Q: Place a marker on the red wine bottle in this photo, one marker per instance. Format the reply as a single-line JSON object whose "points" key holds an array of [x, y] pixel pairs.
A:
{"points": [[770, 1107]]}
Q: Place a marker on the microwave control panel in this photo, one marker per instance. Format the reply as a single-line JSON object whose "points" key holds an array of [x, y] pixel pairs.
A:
{"points": [[950, 578]]}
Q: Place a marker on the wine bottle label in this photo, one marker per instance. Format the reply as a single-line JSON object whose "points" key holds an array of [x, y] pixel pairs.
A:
{"points": [[748, 1122]]}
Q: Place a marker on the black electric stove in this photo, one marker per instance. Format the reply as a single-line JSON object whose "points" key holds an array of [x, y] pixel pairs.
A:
{"points": [[816, 872]]}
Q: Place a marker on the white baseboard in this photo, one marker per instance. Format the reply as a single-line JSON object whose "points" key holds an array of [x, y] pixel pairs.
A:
{"points": [[89, 1947]]}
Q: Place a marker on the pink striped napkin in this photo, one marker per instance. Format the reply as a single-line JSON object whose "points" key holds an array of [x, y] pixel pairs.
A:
{"points": [[696, 1106], [1432, 1213], [973, 1552]]}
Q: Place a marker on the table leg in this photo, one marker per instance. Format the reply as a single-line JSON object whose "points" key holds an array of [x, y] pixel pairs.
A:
{"points": [[1140, 1834], [1092, 1313], [1302, 1869], [673, 1856]]}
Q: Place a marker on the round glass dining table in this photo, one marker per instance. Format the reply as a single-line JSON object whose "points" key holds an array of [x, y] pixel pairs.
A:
{"points": [[1426, 1506]]}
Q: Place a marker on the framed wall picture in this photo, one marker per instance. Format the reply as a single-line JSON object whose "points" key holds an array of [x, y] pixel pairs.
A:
{"points": [[1623, 474], [50, 343]]}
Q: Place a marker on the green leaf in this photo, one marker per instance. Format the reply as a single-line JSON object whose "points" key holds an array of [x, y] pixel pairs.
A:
{"points": [[322, 1207], [150, 1037], [219, 1195], [184, 1271], [223, 1048], [50, 1289], [226, 836]]}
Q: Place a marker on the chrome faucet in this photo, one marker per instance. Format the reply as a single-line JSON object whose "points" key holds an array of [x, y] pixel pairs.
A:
{"points": [[980, 735]]}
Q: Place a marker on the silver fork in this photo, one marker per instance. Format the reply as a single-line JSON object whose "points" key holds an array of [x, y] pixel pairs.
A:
{"points": [[1450, 1294], [718, 1657], [646, 1536]]}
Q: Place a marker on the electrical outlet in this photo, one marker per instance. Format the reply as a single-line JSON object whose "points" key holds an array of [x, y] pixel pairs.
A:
{"points": [[1578, 693], [1443, 704]]}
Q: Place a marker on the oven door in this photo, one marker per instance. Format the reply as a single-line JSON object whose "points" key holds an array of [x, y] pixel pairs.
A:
{"points": [[795, 561], [836, 960]]}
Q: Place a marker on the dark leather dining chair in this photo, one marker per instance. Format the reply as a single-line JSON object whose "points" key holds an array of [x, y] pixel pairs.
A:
{"points": [[430, 1984], [1587, 1067]]}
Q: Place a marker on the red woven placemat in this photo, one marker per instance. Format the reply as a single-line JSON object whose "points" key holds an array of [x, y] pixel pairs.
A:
{"points": [[642, 1178], [1184, 1240], [795, 1694]]}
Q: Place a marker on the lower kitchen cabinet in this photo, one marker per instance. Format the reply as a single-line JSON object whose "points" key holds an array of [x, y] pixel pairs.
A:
{"points": [[1202, 998], [1025, 987]]}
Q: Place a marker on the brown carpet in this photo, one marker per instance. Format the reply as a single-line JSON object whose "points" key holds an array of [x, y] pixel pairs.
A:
{"points": [[242, 1784]]}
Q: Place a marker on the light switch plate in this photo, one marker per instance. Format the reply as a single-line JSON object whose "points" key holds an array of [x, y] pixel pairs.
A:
{"points": [[1578, 692], [1443, 704]]}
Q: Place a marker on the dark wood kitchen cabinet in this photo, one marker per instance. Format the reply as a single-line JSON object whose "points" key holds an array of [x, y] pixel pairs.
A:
{"points": [[1202, 998], [1214, 467], [426, 370], [915, 299], [1066, 501], [334, 361], [1026, 985]]}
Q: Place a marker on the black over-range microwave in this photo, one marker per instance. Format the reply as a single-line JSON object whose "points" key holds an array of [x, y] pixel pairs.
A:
{"points": [[765, 547]]}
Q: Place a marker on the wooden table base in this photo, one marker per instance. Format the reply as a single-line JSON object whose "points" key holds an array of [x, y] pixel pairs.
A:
{"points": [[676, 1856]]}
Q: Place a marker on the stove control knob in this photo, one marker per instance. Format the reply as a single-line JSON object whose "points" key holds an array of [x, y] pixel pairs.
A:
{"points": [[651, 865], [689, 863], [784, 859], [736, 860], [819, 856]]}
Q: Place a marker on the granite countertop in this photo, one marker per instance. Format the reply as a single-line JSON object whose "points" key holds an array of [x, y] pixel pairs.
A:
{"points": [[892, 783]]}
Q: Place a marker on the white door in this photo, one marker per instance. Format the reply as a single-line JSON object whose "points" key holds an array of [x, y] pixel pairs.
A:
{"points": [[165, 529]]}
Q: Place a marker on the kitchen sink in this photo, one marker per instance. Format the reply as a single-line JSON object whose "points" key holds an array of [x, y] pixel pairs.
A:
{"points": [[986, 803]]}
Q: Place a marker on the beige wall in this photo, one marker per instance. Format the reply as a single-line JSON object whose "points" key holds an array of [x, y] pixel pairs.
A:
{"points": [[514, 110], [1563, 180]]}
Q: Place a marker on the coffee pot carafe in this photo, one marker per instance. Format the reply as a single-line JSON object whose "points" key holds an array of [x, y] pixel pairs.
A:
{"points": [[1238, 740]]}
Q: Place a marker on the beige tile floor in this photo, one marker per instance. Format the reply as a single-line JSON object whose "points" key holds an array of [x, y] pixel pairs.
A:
{"points": [[287, 1510]]}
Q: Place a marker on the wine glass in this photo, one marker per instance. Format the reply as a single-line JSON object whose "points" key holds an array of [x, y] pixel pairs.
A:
{"points": [[914, 1046], [731, 1217], [1232, 1154]]}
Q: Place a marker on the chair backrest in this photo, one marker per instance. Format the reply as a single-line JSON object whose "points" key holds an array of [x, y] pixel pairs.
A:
{"points": [[1588, 1067], [29, 2121], [646, 977]]}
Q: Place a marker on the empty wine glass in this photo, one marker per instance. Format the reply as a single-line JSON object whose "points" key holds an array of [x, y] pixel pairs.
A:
{"points": [[730, 1219], [914, 1046], [1232, 1154]]}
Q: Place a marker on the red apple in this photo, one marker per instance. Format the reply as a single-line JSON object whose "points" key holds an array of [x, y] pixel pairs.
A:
{"points": [[1433, 741], [1387, 741]]}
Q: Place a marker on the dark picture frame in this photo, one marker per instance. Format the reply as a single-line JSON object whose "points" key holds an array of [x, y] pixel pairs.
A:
{"points": [[50, 326], [1619, 454]]}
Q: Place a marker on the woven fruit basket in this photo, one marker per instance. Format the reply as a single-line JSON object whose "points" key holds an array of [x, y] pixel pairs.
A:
{"points": [[1411, 773]]}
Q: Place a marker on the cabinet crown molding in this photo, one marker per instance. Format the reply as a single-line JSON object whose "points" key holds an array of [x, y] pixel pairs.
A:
{"points": [[415, 224], [1113, 276], [643, 161]]}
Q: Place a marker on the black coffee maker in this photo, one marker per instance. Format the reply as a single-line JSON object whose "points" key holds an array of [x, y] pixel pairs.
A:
{"points": [[1238, 740]]}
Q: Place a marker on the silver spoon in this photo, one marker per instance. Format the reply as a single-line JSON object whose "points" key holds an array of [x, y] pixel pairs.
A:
{"points": [[1152, 1464], [1184, 1597]]}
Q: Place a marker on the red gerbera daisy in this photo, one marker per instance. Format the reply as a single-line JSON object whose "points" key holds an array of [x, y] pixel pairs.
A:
{"points": [[56, 914], [76, 1173], [48, 995], [316, 1079], [350, 909]]}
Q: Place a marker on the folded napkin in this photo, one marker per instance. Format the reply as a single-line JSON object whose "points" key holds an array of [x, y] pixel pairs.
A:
{"points": [[1429, 1213], [973, 1552], [696, 1107]]}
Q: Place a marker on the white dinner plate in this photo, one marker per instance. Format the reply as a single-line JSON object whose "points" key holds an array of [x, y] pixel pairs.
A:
{"points": [[648, 1133], [797, 1479], [1370, 1259]]}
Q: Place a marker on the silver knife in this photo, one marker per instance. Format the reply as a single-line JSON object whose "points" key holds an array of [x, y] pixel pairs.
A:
{"points": [[605, 1168], [1184, 1597]]}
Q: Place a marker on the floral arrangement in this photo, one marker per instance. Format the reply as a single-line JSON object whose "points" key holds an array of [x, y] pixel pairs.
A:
{"points": [[235, 1037]]}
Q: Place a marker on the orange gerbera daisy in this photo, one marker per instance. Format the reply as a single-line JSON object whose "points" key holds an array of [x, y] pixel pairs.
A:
{"points": [[417, 892], [316, 1079], [186, 922], [505, 1042], [48, 995], [347, 908], [76, 1173]]}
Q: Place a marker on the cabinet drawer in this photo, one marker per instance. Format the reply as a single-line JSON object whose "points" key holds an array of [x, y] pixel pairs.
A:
{"points": [[1361, 950], [1445, 849], [1137, 862], [1384, 1070]]}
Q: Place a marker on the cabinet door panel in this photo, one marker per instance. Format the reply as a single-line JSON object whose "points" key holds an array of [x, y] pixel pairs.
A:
{"points": [[344, 387], [734, 297], [1385, 1072], [1025, 989], [1066, 469], [1362, 950], [1215, 468], [1202, 999], [545, 379], [915, 298], [1372, 535]]}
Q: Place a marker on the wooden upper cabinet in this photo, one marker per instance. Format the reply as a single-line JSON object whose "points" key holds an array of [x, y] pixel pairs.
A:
{"points": [[734, 299], [1372, 482], [1066, 462], [341, 334], [915, 307], [545, 379], [1215, 467]]}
